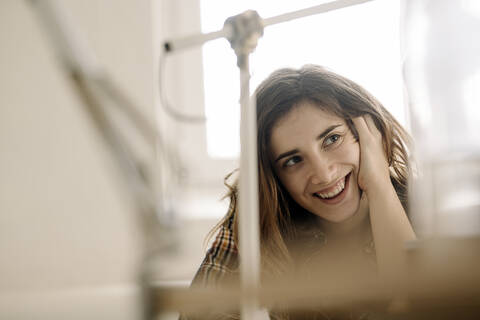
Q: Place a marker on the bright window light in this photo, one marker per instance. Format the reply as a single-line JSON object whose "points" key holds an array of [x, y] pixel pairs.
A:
{"points": [[360, 42]]}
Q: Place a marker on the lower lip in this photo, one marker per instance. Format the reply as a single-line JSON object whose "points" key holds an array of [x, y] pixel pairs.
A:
{"points": [[339, 197]]}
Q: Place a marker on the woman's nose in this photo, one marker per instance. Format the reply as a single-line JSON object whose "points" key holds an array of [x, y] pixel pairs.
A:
{"points": [[323, 171]]}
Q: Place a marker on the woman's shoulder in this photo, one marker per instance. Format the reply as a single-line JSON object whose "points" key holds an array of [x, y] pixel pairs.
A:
{"points": [[221, 259]]}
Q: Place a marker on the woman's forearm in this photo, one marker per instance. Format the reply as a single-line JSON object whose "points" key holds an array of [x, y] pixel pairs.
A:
{"points": [[390, 227]]}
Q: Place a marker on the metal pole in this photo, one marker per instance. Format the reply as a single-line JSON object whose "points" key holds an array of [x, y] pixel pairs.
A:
{"points": [[246, 29], [322, 8], [173, 45], [248, 198]]}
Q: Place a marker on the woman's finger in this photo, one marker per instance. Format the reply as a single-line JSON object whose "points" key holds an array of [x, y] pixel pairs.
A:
{"points": [[361, 126], [371, 125]]}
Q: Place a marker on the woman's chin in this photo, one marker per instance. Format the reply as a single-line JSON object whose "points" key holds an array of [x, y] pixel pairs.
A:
{"points": [[351, 211]]}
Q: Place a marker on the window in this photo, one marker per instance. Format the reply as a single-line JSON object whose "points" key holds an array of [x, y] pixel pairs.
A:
{"points": [[360, 42]]}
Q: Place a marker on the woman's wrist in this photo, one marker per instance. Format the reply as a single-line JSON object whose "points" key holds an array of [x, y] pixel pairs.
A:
{"points": [[379, 186]]}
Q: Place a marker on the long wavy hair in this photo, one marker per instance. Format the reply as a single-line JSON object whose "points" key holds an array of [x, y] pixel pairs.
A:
{"points": [[276, 96]]}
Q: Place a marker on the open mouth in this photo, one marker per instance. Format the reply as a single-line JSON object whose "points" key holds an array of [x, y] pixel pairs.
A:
{"points": [[336, 194]]}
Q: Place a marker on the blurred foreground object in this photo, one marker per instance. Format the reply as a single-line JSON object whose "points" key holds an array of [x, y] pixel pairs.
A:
{"points": [[102, 98], [442, 78], [442, 282]]}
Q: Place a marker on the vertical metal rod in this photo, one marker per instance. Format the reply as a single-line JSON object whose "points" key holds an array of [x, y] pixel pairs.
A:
{"points": [[249, 238]]}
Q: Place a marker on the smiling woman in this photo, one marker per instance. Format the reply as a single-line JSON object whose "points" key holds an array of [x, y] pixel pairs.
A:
{"points": [[319, 170], [333, 173]]}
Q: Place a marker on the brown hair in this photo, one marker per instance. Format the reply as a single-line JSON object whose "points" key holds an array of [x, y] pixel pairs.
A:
{"points": [[275, 97]]}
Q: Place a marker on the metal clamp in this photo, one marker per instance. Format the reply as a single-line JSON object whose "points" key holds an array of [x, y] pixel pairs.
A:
{"points": [[243, 32]]}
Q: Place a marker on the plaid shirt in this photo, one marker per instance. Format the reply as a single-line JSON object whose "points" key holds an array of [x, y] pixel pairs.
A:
{"points": [[221, 264], [221, 260]]}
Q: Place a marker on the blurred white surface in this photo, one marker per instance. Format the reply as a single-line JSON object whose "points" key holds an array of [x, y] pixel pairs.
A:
{"points": [[70, 245]]}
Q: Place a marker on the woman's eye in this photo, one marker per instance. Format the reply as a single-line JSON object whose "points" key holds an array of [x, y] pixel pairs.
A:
{"points": [[331, 140], [292, 161]]}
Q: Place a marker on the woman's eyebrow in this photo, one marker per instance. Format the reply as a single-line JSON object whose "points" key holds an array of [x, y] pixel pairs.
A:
{"points": [[327, 131], [286, 154], [319, 137]]}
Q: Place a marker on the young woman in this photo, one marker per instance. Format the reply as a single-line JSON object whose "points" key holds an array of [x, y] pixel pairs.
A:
{"points": [[333, 170]]}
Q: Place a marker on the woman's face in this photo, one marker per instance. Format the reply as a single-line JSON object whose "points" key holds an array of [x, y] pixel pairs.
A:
{"points": [[317, 159]]}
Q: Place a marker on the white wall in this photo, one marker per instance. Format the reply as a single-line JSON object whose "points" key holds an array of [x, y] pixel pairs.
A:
{"points": [[201, 177], [69, 242]]}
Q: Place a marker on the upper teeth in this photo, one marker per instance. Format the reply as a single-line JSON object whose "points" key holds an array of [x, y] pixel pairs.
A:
{"points": [[338, 188]]}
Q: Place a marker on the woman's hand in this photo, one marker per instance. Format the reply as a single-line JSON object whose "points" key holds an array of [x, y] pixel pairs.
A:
{"points": [[390, 224], [373, 172]]}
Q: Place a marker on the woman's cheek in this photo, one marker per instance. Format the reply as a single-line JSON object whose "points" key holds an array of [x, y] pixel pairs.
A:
{"points": [[293, 183], [349, 152]]}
